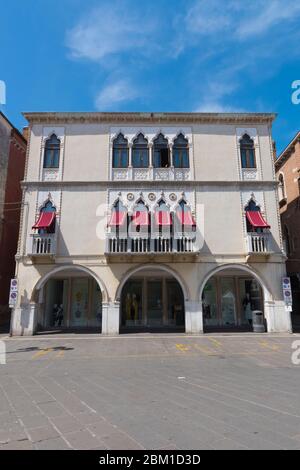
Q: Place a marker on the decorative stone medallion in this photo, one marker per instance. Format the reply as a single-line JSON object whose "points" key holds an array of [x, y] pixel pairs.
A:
{"points": [[130, 196], [172, 197], [151, 197]]}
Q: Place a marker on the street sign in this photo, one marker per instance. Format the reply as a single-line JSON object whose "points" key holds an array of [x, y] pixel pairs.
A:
{"points": [[287, 292], [286, 283], [13, 293]]}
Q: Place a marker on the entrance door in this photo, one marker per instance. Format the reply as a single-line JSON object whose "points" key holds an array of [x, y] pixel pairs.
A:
{"points": [[155, 303]]}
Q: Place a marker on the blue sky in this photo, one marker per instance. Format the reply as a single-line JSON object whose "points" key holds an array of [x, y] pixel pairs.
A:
{"points": [[158, 55]]}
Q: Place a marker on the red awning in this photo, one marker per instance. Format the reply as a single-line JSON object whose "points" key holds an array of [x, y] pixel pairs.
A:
{"points": [[141, 218], [45, 220], [163, 218], [117, 218], [186, 218], [256, 219]]}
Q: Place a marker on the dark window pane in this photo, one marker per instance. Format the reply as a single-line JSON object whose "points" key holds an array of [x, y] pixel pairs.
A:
{"points": [[51, 153], [247, 152], [140, 158]]}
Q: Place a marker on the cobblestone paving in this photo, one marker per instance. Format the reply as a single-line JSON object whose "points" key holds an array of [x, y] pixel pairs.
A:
{"points": [[238, 391]]}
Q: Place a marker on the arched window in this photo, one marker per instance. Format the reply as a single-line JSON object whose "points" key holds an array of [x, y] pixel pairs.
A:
{"points": [[118, 219], [120, 152], [140, 218], [161, 156], [281, 187], [119, 206], [46, 221], [181, 152], [254, 219], [51, 153], [252, 207], [248, 159], [185, 221], [48, 207], [140, 152]]}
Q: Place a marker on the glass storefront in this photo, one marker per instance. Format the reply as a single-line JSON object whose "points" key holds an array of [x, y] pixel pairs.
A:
{"points": [[152, 303], [79, 302], [72, 302], [229, 301]]}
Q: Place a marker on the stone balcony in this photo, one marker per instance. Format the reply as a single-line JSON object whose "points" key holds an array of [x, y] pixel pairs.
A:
{"points": [[152, 174]]}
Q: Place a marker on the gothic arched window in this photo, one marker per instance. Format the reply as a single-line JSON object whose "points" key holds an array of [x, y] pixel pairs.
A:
{"points": [[120, 152], [247, 149], [181, 152], [52, 152], [161, 152], [140, 152]]}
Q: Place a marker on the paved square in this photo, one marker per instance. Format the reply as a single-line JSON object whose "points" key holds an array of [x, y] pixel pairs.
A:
{"points": [[237, 391]]}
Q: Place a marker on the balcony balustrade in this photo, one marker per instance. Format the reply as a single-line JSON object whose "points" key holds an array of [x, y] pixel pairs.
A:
{"points": [[43, 244], [258, 243], [148, 245]]}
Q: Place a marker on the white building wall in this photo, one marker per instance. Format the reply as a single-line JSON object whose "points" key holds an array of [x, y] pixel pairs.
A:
{"points": [[80, 195]]}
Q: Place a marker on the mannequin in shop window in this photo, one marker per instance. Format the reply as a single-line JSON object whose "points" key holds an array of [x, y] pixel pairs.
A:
{"points": [[247, 308], [60, 315]]}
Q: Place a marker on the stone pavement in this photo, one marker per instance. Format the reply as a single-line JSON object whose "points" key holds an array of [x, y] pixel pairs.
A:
{"points": [[235, 391]]}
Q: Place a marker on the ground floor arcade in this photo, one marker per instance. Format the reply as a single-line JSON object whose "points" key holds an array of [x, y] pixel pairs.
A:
{"points": [[152, 297]]}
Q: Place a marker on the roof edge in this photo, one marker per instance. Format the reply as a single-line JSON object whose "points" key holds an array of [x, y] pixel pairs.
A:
{"points": [[287, 151], [82, 117]]}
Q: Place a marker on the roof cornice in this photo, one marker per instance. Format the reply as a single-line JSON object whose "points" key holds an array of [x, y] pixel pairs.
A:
{"points": [[287, 152], [97, 117], [150, 184]]}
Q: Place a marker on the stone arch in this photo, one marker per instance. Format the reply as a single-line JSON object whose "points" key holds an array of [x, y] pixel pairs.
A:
{"points": [[42, 281], [158, 267], [242, 267]]}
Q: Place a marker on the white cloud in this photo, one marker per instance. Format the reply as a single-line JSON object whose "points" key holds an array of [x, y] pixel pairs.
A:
{"points": [[237, 19], [114, 28], [208, 106], [209, 16], [269, 15], [114, 94]]}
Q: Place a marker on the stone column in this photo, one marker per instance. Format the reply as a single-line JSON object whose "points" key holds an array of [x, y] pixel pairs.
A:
{"points": [[193, 317], [24, 320], [130, 169], [110, 318]]}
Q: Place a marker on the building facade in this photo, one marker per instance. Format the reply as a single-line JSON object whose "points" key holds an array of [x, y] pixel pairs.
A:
{"points": [[147, 221], [288, 175], [12, 164]]}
